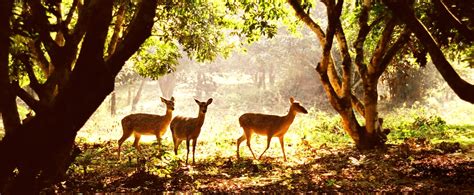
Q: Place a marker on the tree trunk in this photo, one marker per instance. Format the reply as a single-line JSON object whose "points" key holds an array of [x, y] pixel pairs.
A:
{"points": [[41, 148], [129, 95], [113, 104], [111, 49], [8, 106], [200, 84], [370, 103], [138, 95], [338, 85], [167, 83], [271, 75]]}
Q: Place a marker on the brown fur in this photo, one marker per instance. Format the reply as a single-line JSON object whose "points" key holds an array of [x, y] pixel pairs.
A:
{"points": [[269, 125], [146, 124], [186, 128]]}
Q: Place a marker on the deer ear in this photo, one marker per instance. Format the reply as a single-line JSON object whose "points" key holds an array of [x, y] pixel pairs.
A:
{"points": [[163, 99], [196, 101], [172, 98], [292, 99], [209, 101]]}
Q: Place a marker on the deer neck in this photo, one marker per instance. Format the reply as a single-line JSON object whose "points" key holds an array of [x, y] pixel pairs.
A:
{"points": [[290, 116], [200, 118], [169, 114]]}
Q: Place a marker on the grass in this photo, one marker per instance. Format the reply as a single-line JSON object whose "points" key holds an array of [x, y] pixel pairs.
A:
{"points": [[321, 158], [316, 129]]}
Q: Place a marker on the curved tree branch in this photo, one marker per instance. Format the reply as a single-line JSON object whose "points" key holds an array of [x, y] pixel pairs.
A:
{"points": [[303, 16], [391, 52], [27, 98], [38, 56], [138, 31], [359, 42], [34, 84], [406, 14], [42, 25], [359, 107], [382, 45], [344, 50], [463, 29]]}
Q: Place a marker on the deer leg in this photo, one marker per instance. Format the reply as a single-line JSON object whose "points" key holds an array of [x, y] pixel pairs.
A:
{"points": [[126, 134], [194, 147], [158, 139], [135, 143], [187, 150], [240, 140], [269, 138], [176, 145], [282, 143], [248, 135]]}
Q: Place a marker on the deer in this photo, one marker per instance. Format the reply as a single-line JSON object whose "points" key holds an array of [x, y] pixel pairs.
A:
{"points": [[187, 128], [269, 125], [146, 124]]}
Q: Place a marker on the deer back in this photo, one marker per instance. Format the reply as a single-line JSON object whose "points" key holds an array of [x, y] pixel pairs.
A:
{"points": [[146, 123], [185, 127], [262, 124]]}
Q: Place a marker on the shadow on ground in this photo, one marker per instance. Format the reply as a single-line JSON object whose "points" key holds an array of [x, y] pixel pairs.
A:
{"points": [[414, 166]]}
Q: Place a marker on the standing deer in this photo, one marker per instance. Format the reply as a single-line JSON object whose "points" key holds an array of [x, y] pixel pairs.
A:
{"points": [[269, 125], [146, 124], [186, 128]]}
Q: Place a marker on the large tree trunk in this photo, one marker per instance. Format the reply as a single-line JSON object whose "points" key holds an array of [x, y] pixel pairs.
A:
{"points": [[8, 106], [40, 149]]}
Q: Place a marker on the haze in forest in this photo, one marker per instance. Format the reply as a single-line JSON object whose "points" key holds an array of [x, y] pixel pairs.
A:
{"points": [[261, 78]]}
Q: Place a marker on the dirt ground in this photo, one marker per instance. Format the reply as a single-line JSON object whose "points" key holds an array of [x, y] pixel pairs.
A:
{"points": [[413, 166]]}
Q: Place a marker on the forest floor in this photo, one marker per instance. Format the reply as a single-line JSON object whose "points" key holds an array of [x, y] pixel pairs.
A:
{"points": [[413, 166]]}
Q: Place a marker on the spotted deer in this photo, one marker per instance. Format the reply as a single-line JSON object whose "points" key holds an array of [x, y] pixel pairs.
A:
{"points": [[187, 128], [146, 124], [269, 125]]}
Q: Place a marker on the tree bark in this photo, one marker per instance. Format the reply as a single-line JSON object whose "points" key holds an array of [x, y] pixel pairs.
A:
{"points": [[404, 11], [40, 149], [138, 95], [341, 102], [463, 29], [111, 49], [338, 85], [8, 107]]}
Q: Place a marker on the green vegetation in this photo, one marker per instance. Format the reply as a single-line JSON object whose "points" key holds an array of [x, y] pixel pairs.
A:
{"points": [[376, 76], [320, 156]]}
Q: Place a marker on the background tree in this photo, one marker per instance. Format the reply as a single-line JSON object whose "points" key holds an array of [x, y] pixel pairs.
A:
{"points": [[337, 78], [388, 37]]}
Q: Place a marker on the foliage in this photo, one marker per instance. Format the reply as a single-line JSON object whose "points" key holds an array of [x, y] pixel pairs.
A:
{"points": [[418, 122], [257, 17], [204, 30], [156, 58]]}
